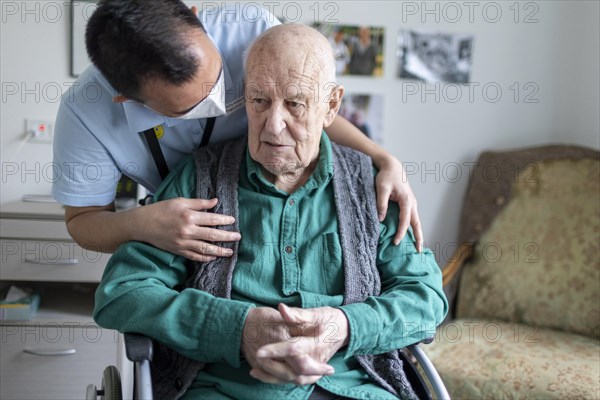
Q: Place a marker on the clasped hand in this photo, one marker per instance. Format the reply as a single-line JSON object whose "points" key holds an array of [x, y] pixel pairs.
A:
{"points": [[293, 345]]}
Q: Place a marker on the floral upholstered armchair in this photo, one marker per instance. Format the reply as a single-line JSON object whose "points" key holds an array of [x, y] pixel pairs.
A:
{"points": [[525, 282]]}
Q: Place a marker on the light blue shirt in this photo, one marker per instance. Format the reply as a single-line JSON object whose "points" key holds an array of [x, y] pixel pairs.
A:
{"points": [[97, 140]]}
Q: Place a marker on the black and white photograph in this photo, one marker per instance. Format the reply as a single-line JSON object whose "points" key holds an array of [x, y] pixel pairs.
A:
{"points": [[434, 57]]}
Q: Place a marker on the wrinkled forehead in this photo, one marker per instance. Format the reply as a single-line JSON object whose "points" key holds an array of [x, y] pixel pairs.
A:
{"points": [[278, 76]]}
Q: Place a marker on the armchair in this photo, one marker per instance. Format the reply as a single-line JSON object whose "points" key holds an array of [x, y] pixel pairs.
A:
{"points": [[524, 284]]}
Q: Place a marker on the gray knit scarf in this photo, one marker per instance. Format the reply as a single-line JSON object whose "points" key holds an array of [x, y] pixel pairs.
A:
{"points": [[218, 169]]}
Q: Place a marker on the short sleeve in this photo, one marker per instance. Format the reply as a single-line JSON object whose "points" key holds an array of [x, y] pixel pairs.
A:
{"points": [[85, 174]]}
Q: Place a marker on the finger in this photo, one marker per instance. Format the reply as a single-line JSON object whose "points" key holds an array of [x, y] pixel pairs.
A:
{"points": [[306, 365], [207, 249], [194, 10], [198, 204], [212, 219], [416, 226], [307, 379], [216, 235], [302, 321], [277, 369], [292, 315], [279, 350], [383, 197], [302, 349], [403, 220], [284, 372], [263, 376], [190, 255]]}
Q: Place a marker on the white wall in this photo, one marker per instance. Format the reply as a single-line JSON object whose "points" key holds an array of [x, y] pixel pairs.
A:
{"points": [[34, 43], [557, 56]]}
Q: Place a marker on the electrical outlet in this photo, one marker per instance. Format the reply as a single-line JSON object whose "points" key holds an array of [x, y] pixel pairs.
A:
{"points": [[40, 131]]}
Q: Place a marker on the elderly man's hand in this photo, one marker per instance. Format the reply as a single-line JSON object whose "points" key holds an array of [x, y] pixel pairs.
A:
{"points": [[392, 184], [263, 326], [319, 333]]}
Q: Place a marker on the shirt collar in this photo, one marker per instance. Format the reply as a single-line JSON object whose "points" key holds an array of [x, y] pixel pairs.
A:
{"points": [[320, 176]]}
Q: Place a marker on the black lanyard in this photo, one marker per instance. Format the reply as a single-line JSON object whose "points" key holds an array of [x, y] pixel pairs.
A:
{"points": [[157, 154]]}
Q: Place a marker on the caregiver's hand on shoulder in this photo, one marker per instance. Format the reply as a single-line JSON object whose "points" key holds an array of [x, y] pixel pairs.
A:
{"points": [[184, 227], [392, 184]]}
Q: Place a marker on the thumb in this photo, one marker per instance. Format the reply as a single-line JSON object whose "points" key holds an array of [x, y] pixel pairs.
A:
{"points": [[294, 315]]}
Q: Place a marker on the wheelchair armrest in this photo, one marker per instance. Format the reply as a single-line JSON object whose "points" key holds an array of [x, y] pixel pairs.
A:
{"points": [[138, 347], [428, 340], [432, 375]]}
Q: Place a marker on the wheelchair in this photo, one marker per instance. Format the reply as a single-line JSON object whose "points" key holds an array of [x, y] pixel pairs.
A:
{"points": [[139, 350]]}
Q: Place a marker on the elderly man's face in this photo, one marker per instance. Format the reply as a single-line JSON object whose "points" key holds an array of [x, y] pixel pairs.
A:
{"points": [[287, 109]]}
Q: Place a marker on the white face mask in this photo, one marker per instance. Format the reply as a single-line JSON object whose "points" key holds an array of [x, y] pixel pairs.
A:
{"points": [[213, 105]]}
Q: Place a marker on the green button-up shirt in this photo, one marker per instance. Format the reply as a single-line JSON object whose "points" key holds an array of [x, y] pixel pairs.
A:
{"points": [[289, 253]]}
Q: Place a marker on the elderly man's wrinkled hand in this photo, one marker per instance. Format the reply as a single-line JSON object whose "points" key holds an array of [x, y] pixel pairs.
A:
{"points": [[318, 334], [263, 326]]}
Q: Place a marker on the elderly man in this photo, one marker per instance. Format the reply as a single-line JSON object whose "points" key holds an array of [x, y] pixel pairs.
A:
{"points": [[316, 299]]}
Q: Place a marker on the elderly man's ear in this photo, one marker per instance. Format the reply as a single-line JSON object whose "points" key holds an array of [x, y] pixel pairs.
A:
{"points": [[335, 101]]}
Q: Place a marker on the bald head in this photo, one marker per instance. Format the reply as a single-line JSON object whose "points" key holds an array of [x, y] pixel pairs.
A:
{"points": [[294, 43]]}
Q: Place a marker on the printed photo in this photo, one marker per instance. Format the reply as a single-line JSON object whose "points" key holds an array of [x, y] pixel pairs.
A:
{"points": [[365, 111], [358, 49], [434, 57]]}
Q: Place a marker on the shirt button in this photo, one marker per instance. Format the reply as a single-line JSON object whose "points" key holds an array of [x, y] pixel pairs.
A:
{"points": [[292, 202], [289, 249]]}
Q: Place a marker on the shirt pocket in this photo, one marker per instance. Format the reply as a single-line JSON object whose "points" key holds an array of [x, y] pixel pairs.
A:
{"points": [[332, 271]]}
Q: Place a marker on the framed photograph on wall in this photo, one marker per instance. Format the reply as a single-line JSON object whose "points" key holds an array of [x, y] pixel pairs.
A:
{"points": [[358, 49], [434, 57], [365, 111]]}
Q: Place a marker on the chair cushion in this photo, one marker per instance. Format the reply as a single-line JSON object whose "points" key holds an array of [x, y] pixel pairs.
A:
{"points": [[482, 359], [539, 262]]}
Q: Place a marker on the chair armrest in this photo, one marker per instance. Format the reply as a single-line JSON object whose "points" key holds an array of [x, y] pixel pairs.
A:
{"points": [[427, 340], [462, 254], [432, 375], [138, 347]]}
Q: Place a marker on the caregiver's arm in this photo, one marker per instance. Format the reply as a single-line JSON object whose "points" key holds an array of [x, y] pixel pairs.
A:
{"points": [[175, 222], [179, 226], [391, 180]]}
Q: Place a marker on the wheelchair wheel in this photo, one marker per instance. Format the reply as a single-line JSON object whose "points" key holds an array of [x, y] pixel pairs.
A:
{"points": [[111, 384]]}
